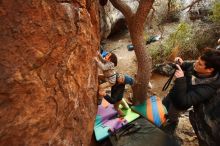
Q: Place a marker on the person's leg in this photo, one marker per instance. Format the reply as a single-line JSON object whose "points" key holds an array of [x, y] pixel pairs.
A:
{"points": [[102, 88], [120, 112], [166, 102], [173, 116], [105, 85], [124, 104], [173, 113]]}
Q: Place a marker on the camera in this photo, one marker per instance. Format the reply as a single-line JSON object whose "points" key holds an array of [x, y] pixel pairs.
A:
{"points": [[173, 65]]}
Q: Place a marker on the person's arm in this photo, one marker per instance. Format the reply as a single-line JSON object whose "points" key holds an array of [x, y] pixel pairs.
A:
{"points": [[106, 66], [101, 58], [183, 99]]}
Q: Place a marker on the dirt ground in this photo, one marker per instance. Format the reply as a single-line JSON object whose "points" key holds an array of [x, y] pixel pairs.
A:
{"points": [[127, 65]]}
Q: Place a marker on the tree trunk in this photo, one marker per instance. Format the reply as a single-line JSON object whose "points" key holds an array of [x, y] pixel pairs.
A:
{"points": [[48, 79], [144, 66], [136, 24]]}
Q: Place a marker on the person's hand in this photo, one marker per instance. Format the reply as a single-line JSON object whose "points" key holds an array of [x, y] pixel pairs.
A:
{"points": [[96, 59], [179, 60], [98, 53], [102, 93], [179, 72]]}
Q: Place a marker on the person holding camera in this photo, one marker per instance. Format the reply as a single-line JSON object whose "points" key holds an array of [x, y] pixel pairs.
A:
{"points": [[195, 84]]}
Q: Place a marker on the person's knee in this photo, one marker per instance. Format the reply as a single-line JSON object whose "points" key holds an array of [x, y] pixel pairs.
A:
{"points": [[166, 102]]}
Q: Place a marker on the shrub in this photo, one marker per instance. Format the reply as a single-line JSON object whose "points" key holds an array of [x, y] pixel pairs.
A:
{"points": [[181, 38], [216, 12]]}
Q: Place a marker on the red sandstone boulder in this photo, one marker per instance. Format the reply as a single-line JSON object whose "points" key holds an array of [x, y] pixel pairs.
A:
{"points": [[48, 79]]}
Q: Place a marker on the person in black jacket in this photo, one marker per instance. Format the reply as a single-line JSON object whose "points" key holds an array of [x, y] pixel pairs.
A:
{"points": [[196, 83]]}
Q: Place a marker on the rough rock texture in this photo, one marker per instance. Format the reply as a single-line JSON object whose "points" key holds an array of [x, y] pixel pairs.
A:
{"points": [[48, 78], [112, 19]]}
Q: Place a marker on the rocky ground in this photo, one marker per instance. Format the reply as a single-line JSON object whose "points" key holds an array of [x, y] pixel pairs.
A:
{"points": [[127, 65]]}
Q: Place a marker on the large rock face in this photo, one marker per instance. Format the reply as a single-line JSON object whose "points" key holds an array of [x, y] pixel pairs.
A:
{"points": [[111, 19], [48, 78]]}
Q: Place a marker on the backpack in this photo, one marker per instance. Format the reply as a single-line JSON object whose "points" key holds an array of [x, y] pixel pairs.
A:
{"points": [[140, 132], [153, 110]]}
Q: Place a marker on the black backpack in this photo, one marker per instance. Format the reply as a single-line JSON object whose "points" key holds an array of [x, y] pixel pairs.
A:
{"points": [[140, 132]]}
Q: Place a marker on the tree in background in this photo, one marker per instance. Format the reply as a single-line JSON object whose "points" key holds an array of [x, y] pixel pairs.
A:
{"points": [[136, 24]]}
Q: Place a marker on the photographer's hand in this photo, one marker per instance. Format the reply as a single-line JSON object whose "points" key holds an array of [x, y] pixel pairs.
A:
{"points": [[179, 72], [179, 60]]}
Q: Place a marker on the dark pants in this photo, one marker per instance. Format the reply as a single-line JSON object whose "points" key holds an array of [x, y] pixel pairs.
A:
{"points": [[173, 113], [173, 116]]}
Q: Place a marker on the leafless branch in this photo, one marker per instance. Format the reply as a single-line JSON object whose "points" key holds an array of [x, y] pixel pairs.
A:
{"points": [[191, 5]]}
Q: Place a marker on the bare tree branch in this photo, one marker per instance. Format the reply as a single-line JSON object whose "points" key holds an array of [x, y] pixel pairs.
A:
{"points": [[142, 11], [124, 8], [191, 5]]}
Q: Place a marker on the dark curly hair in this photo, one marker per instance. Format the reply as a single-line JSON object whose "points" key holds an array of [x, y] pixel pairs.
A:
{"points": [[212, 58], [113, 58]]}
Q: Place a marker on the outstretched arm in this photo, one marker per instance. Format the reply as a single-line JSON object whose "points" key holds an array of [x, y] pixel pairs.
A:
{"points": [[101, 58], [102, 66]]}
